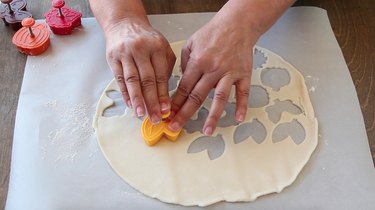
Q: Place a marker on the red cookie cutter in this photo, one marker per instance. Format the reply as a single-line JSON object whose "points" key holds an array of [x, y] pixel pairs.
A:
{"points": [[62, 20], [32, 38], [13, 12]]}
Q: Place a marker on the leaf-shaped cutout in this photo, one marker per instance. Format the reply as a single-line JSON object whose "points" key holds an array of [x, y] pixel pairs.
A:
{"points": [[294, 129], [274, 111], [255, 129], [197, 125], [258, 97], [214, 145], [172, 83], [118, 106], [275, 78], [229, 118]]}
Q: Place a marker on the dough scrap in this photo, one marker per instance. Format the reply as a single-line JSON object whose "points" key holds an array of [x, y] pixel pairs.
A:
{"points": [[244, 171]]}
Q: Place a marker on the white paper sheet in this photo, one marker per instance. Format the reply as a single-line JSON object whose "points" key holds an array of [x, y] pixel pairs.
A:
{"points": [[56, 162]]}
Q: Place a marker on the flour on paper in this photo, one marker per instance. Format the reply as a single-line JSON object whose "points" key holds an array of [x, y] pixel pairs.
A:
{"points": [[240, 162]]}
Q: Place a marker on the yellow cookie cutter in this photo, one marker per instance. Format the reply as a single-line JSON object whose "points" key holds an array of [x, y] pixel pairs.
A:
{"points": [[152, 134]]}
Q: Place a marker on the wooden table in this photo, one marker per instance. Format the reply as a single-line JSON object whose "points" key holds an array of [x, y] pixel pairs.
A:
{"points": [[353, 23]]}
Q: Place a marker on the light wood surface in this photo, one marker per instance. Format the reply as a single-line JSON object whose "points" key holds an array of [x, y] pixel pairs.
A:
{"points": [[353, 23]]}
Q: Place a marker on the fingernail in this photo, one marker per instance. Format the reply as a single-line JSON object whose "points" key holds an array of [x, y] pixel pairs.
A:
{"points": [[208, 131], [140, 112], [174, 126], [165, 107], [155, 119], [240, 118]]}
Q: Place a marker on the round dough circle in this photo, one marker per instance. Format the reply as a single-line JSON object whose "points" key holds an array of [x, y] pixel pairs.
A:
{"points": [[245, 170]]}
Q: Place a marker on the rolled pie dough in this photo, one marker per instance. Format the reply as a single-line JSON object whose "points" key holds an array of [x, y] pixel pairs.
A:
{"points": [[238, 163]]}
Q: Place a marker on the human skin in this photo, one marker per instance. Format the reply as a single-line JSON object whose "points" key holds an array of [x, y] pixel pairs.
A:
{"points": [[218, 56]]}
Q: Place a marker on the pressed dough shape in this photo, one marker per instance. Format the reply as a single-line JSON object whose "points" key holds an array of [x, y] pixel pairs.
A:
{"points": [[243, 172]]}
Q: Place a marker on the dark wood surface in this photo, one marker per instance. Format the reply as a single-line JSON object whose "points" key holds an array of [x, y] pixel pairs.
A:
{"points": [[353, 23]]}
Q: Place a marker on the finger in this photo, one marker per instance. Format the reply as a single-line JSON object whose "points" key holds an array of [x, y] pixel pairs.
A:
{"points": [[193, 102], [242, 96], [149, 89], [118, 73], [162, 74], [132, 82], [185, 55], [188, 81], [220, 99], [124, 91]]}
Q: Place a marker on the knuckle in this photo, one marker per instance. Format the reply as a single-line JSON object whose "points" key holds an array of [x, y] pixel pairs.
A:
{"points": [[137, 43], [111, 56], [201, 60], [243, 92], [205, 63], [182, 91], [195, 98], [148, 82], [132, 79], [159, 47], [221, 96], [120, 79], [114, 50], [162, 78], [159, 43]]}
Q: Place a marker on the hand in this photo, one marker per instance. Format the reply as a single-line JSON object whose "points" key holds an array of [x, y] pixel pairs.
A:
{"points": [[142, 61], [218, 55]]}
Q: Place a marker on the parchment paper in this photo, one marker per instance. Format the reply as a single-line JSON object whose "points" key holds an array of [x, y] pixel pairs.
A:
{"points": [[56, 162]]}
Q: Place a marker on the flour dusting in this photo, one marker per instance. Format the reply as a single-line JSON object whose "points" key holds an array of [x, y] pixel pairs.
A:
{"points": [[73, 131]]}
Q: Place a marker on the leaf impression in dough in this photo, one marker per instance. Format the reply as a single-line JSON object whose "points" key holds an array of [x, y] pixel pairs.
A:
{"points": [[258, 97], [274, 111], [214, 145], [255, 129], [293, 129]]}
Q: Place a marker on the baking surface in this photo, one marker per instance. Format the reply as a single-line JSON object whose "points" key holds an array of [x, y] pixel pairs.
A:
{"points": [[54, 144]]}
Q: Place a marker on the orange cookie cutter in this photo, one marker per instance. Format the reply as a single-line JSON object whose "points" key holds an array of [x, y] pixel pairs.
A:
{"points": [[152, 134], [33, 38]]}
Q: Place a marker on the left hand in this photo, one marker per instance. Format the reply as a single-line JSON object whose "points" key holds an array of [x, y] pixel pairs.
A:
{"points": [[218, 55]]}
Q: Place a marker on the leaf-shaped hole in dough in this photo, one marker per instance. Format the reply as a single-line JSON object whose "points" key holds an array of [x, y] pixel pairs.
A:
{"points": [[255, 129], [214, 145], [118, 106], [275, 78], [228, 119], [294, 129], [196, 125], [173, 82], [258, 97], [274, 111], [259, 59]]}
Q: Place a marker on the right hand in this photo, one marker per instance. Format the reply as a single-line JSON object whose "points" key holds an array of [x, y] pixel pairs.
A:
{"points": [[142, 61]]}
